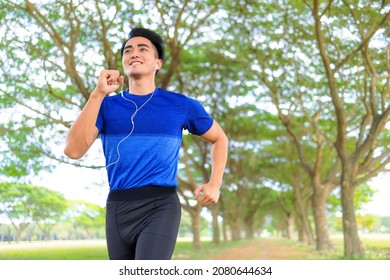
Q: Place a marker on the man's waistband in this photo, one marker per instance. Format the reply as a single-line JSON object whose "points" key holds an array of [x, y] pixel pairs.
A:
{"points": [[139, 193]]}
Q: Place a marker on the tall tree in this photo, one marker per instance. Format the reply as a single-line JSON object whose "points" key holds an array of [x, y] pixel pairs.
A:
{"points": [[87, 216], [279, 52], [47, 207], [14, 207], [357, 73], [25, 205]]}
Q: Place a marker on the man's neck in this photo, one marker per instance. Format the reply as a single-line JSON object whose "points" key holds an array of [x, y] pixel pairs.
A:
{"points": [[141, 86]]}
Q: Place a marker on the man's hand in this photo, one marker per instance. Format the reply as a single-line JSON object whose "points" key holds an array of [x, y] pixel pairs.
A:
{"points": [[207, 195], [109, 81]]}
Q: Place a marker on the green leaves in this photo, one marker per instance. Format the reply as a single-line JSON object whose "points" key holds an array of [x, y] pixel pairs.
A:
{"points": [[25, 205]]}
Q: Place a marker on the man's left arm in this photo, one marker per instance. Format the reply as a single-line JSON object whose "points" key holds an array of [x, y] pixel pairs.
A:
{"points": [[208, 194]]}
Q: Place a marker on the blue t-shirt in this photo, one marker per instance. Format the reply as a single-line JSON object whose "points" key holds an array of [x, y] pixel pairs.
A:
{"points": [[147, 153]]}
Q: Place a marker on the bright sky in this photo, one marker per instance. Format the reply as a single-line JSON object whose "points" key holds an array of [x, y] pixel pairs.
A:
{"points": [[380, 204]]}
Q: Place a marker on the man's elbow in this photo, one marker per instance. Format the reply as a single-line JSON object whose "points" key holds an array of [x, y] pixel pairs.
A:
{"points": [[73, 153]]}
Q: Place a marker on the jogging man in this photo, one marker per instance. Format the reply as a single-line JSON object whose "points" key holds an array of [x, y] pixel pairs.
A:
{"points": [[141, 132]]}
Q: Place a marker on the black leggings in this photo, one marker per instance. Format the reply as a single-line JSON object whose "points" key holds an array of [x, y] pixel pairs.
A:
{"points": [[142, 223]]}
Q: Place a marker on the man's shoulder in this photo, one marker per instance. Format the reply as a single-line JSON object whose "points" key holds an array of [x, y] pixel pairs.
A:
{"points": [[171, 93], [173, 96], [176, 95]]}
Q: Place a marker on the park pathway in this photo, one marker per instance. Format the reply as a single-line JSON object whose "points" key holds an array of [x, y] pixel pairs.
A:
{"points": [[263, 249]]}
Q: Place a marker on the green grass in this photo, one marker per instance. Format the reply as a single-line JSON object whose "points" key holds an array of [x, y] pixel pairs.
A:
{"points": [[74, 251], [376, 249], [60, 252]]}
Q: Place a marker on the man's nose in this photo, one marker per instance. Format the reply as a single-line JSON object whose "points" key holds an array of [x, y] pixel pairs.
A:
{"points": [[134, 54]]}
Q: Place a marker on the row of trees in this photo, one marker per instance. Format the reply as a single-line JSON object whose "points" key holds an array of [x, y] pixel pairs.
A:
{"points": [[300, 87], [27, 210], [31, 213]]}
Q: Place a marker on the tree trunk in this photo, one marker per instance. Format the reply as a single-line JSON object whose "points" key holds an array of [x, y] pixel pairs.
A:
{"points": [[302, 237], [235, 229], [19, 231], [352, 243], [9, 235], [305, 231], [290, 226], [321, 224], [216, 234], [30, 235], [195, 215], [224, 231], [249, 231]]}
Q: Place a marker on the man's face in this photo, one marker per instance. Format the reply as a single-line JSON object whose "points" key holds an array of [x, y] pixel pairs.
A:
{"points": [[140, 57]]}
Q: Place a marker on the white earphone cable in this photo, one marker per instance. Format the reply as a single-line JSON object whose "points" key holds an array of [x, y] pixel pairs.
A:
{"points": [[132, 123]]}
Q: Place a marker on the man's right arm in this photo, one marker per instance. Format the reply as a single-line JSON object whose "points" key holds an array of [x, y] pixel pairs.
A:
{"points": [[84, 132]]}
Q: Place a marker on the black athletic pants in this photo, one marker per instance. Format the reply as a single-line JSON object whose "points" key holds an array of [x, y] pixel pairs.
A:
{"points": [[142, 223]]}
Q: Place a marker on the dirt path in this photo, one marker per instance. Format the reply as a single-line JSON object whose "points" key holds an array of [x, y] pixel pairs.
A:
{"points": [[262, 249]]}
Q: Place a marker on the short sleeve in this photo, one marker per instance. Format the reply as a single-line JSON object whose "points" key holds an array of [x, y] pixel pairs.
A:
{"points": [[198, 120]]}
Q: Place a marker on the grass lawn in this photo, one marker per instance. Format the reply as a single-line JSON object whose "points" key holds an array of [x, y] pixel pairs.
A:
{"points": [[94, 250], [376, 249], [55, 250]]}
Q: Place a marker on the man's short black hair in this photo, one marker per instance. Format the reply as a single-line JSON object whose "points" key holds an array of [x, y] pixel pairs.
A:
{"points": [[152, 36]]}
